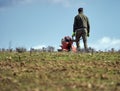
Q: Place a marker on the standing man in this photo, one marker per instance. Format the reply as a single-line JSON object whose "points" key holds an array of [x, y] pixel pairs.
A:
{"points": [[81, 28]]}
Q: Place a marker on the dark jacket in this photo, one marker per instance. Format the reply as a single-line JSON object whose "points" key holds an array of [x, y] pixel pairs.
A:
{"points": [[81, 21]]}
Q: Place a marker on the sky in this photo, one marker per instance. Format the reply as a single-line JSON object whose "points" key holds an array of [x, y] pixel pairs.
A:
{"points": [[42, 23]]}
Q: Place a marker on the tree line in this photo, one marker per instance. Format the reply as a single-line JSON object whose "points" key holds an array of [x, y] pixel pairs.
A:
{"points": [[50, 49], [23, 49]]}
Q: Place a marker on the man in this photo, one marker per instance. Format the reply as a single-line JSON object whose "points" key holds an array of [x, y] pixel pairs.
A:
{"points": [[81, 28]]}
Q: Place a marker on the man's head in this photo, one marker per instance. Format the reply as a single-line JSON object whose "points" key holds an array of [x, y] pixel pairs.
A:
{"points": [[80, 10]]}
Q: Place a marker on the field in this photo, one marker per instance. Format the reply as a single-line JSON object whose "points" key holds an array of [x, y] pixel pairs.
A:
{"points": [[59, 71]]}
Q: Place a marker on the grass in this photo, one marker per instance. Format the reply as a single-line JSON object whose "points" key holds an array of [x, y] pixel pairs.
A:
{"points": [[59, 71]]}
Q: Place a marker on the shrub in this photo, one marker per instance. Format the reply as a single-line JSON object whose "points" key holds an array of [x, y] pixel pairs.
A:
{"points": [[21, 49]]}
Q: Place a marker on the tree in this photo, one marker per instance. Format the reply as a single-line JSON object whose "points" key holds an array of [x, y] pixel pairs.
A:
{"points": [[50, 49]]}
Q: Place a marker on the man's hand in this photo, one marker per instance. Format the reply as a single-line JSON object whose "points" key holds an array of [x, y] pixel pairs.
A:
{"points": [[73, 34], [88, 35]]}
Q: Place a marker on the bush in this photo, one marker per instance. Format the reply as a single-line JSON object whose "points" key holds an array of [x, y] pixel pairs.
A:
{"points": [[21, 49]]}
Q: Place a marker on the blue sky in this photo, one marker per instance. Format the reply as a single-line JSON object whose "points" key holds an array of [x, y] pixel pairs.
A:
{"points": [[38, 23]]}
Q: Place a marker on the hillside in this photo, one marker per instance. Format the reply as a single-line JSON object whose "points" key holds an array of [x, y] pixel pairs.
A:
{"points": [[59, 71]]}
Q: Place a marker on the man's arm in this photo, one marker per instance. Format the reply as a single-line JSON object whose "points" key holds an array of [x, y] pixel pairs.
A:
{"points": [[74, 25], [88, 26]]}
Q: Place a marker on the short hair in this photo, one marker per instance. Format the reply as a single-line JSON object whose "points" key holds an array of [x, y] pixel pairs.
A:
{"points": [[80, 10]]}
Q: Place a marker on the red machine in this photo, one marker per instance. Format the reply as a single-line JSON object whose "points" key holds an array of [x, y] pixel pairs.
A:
{"points": [[67, 44]]}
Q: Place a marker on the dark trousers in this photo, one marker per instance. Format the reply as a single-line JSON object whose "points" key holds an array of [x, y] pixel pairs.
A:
{"points": [[81, 33]]}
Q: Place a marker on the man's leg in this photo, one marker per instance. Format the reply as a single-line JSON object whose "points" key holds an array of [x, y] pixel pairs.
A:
{"points": [[78, 35], [84, 36]]}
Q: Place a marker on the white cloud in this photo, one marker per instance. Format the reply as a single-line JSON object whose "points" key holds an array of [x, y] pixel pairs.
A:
{"points": [[6, 3], [39, 46], [69, 3], [66, 3], [58, 1], [106, 43]]}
